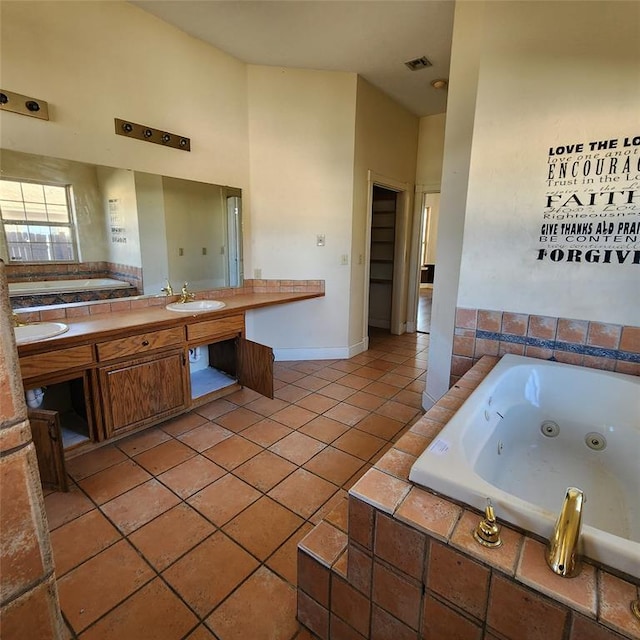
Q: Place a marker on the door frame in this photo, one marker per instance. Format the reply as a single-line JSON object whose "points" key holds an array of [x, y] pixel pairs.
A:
{"points": [[413, 296], [400, 253]]}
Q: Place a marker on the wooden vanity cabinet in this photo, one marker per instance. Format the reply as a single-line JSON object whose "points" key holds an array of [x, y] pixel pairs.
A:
{"points": [[143, 380], [247, 362]]}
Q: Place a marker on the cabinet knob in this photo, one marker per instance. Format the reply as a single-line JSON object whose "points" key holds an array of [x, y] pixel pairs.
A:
{"points": [[145, 343]]}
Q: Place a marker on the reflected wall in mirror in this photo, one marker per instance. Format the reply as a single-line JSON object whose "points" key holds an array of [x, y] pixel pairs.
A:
{"points": [[132, 231]]}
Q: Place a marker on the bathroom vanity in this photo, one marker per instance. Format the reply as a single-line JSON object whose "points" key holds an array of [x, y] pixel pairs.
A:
{"points": [[113, 374]]}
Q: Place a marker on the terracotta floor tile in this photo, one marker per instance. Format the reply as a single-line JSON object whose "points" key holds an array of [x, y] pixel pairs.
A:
{"points": [[365, 400], [164, 456], [81, 539], [354, 381], [238, 419], [216, 408], [263, 608], [303, 492], [312, 383], [381, 389], [192, 475], [297, 447], [153, 612], [397, 411], [232, 452], [224, 499], [142, 441], [210, 572], [293, 416], [263, 527], [380, 426], [334, 465], [337, 391], [288, 375], [317, 403], [63, 506], [171, 535], [291, 393], [285, 560], [201, 633], [265, 470], [135, 508], [324, 429], [266, 432], [83, 599], [267, 406], [205, 437], [106, 485], [90, 463], [182, 424], [346, 366], [359, 444], [346, 413], [330, 374], [243, 396]]}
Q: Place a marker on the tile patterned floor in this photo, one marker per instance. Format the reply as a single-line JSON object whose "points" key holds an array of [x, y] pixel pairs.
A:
{"points": [[189, 530]]}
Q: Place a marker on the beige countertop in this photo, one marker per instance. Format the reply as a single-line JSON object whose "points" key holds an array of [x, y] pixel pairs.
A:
{"points": [[93, 328]]}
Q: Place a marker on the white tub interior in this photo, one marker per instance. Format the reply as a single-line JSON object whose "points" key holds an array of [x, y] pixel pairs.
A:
{"points": [[64, 286], [495, 447]]}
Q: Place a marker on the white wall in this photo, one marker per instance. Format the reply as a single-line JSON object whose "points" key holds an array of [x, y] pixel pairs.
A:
{"points": [[551, 75], [95, 61], [301, 129], [527, 76], [386, 139]]}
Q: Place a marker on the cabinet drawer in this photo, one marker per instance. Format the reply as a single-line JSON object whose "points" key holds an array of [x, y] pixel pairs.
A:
{"points": [[43, 363], [215, 328], [140, 343]]}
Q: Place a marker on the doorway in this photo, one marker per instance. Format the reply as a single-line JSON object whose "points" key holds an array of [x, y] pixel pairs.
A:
{"points": [[424, 261]]}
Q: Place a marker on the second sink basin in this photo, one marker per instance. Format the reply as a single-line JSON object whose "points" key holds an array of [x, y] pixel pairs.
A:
{"points": [[38, 331], [195, 306]]}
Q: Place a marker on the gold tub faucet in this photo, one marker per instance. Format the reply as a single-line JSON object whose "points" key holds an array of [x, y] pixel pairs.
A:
{"points": [[16, 320], [563, 548]]}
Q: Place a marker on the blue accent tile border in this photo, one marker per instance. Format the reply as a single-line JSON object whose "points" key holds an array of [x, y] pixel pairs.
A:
{"points": [[554, 345]]}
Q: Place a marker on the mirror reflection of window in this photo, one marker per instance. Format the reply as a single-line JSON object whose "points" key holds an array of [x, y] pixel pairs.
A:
{"points": [[37, 222]]}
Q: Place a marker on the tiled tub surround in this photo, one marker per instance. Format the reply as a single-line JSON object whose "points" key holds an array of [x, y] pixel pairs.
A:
{"points": [[60, 312], [76, 271], [480, 332], [404, 565]]}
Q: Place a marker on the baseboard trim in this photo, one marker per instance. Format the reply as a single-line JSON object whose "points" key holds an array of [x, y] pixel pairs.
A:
{"points": [[326, 353], [427, 401]]}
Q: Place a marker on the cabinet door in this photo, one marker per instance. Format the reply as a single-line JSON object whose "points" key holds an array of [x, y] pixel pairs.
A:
{"points": [[255, 367], [47, 439], [143, 390]]}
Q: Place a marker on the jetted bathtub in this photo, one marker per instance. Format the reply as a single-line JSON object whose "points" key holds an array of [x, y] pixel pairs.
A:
{"points": [[63, 286], [531, 429]]}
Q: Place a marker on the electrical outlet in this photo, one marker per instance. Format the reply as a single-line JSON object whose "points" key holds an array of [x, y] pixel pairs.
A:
{"points": [[204, 251], [320, 240], [180, 251], [344, 259], [257, 274]]}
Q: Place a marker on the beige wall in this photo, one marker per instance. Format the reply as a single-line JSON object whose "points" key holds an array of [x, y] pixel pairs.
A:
{"points": [[301, 130], [95, 61], [527, 76], [430, 152], [386, 138]]}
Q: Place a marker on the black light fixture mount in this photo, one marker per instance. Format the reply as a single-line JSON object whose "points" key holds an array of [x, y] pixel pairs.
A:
{"points": [[149, 134], [24, 105]]}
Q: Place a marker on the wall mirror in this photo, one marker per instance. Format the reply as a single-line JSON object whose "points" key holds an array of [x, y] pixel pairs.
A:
{"points": [[131, 226]]}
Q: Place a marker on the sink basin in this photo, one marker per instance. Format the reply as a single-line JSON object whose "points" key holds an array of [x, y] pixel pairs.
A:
{"points": [[39, 331], [195, 305]]}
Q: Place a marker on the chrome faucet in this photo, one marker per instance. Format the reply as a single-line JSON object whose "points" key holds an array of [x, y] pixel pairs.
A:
{"points": [[185, 294], [168, 290], [562, 550]]}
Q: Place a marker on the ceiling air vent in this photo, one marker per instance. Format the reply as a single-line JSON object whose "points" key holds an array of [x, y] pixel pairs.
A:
{"points": [[418, 63]]}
